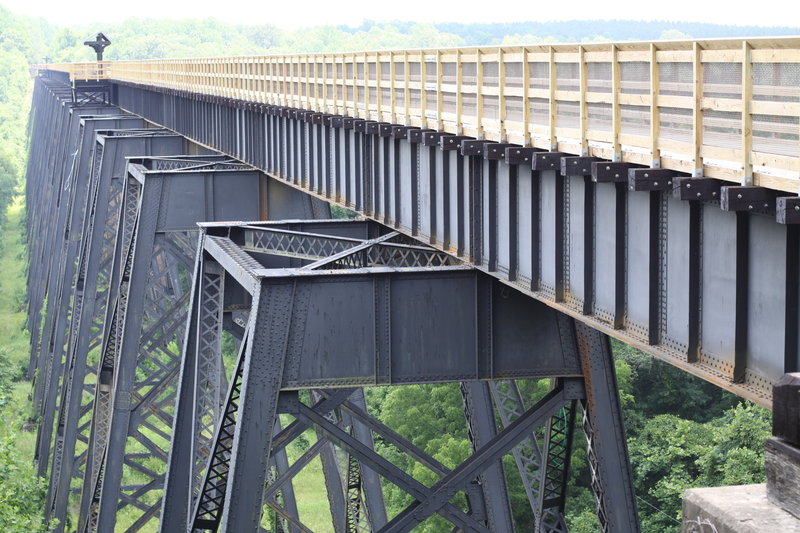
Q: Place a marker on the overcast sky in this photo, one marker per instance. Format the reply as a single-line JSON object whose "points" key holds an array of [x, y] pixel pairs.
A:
{"points": [[294, 14]]}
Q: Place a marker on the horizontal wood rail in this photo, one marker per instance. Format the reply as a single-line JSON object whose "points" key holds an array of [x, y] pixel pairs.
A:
{"points": [[727, 109]]}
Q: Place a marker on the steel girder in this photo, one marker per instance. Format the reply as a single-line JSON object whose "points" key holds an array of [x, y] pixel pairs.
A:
{"points": [[89, 290], [350, 428], [144, 319], [279, 272], [638, 262], [75, 182]]}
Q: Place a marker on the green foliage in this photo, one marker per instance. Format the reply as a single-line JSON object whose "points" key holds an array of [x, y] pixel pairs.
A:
{"points": [[671, 454], [342, 213], [659, 388], [21, 492]]}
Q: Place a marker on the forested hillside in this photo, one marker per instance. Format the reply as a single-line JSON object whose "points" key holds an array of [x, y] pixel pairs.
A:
{"points": [[147, 38], [682, 431]]}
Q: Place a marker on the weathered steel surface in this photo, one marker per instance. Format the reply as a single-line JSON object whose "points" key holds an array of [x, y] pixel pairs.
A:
{"points": [[673, 275]]}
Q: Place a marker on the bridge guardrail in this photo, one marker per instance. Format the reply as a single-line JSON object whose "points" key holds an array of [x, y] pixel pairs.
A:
{"points": [[727, 109]]}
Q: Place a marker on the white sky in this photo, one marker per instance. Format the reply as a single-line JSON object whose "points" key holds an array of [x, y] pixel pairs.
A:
{"points": [[294, 14]]}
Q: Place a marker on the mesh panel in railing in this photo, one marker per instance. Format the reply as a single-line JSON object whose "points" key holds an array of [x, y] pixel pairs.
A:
{"points": [[776, 135], [540, 75], [675, 124], [599, 117], [675, 79], [514, 75], [598, 77], [635, 77], [567, 77], [568, 114], [722, 129], [722, 80], [635, 120]]}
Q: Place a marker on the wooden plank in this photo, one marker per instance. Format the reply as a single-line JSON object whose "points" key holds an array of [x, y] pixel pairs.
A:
{"points": [[790, 185], [776, 55], [577, 165], [696, 189], [501, 85], [733, 155], [787, 210], [697, 109], [610, 171], [548, 160], [655, 116], [634, 99], [674, 56], [552, 99], [632, 55], [783, 109], [478, 93], [518, 155], [616, 120], [783, 162], [747, 117], [720, 56], [526, 105], [650, 179], [746, 198], [584, 111]]}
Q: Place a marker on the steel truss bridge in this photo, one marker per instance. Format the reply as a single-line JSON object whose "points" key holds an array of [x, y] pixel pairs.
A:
{"points": [[519, 206]]}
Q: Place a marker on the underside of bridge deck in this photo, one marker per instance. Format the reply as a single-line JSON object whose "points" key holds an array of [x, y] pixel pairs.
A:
{"points": [[693, 270]]}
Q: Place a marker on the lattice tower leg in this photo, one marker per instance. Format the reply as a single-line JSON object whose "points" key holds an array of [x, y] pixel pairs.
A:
{"points": [[481, 425], [608, 460]]}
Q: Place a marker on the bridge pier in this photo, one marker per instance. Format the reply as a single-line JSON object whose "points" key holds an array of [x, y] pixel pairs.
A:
{"points": [[773, 506], [344, 317]]}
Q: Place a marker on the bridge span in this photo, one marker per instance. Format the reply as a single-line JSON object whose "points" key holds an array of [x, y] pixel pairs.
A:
{"points": [[520, 205]]}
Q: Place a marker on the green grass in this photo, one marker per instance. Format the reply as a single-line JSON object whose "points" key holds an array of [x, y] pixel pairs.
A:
{"points": [[21, 493], [15, 339], [309, 487]]}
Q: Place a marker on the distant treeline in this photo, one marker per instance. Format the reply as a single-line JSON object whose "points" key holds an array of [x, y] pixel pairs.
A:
{"points": [[150, 38]]}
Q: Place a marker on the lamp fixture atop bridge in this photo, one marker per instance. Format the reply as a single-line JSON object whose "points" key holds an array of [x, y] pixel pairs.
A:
{"points": [[99, 44]]}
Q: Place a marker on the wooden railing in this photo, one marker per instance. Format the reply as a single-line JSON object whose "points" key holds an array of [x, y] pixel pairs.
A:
{"points": [[96, 70], [728, 109]]}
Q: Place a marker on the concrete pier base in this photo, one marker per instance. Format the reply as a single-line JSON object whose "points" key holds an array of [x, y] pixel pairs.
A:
{"points": [[736, 509]]}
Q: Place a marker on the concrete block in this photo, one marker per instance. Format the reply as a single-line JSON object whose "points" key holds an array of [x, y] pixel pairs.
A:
{"points": [[736, 509], [782, 463], [786, 408]]}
